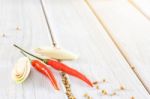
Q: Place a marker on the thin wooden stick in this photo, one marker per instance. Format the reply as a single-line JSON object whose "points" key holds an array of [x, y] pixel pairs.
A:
{"points": [[48, 25]]}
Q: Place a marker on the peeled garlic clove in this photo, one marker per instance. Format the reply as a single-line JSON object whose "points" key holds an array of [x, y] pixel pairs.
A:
{"points": [[21, 70], [25, 75], [21, 65], [56, 53], [21, 77], [16, 79]]}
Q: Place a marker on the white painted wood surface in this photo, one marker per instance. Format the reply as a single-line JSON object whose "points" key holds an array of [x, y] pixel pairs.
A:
{"points": [[75, 28], [143, 6], [78, 30], [28, 16], [130, 30]]}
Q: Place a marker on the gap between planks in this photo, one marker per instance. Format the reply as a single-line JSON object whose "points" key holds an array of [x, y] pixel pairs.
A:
{"points": [[116, 44], [138, 8]]}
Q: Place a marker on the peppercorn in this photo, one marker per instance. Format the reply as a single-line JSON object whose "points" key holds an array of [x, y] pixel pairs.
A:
{"points": [[67, 86], [122, 87], [87, 96], [104, 92], [95, 83], [133, 68], [132, 97], [97, 87], [104, 80], [17, 28]]}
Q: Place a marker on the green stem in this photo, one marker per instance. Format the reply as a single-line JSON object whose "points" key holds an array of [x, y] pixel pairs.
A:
{"points": [[25, 55], [28, 52]]}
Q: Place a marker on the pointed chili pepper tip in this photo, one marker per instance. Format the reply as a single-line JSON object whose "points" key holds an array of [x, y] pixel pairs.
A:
{"points": [[42, 68], [56, 88], [91, 84], [60, 66]]}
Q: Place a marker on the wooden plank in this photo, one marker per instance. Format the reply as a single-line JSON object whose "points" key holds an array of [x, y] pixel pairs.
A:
{"points": [[130, 30], [23, 22], [143, 6], [77, 29]]}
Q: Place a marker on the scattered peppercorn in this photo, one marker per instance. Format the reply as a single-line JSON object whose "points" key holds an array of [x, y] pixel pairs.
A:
{"points": [[132, 97], [97, 87], [87, 96], [67, 86], [122, 87], [95, 83], [133, 68], [104, 92], [104, 80], [17, 28]]}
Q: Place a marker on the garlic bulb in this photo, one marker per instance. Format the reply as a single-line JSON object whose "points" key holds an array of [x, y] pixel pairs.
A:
{"points": [[56, 53], [21, 70]]}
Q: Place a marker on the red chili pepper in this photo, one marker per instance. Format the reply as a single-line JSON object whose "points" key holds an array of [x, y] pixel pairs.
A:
{"points": [[44, 70], [62, 67]]}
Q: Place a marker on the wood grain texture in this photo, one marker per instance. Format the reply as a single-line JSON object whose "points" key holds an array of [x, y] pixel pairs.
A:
{"points": [[130, 30], [78, 30], [22, 22], [143, 6]]}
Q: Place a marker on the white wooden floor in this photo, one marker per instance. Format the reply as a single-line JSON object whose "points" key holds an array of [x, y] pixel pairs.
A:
{"points": [[112, 38]]}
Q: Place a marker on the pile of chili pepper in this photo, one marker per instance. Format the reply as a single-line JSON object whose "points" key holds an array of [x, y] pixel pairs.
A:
{"points": [[41, 65]]}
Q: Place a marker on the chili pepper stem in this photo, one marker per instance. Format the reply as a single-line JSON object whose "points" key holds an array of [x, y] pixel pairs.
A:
{"points": [[28, 53], [26, 56]]}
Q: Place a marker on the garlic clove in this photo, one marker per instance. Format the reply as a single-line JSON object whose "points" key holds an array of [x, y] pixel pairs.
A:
{"points": [[56, 53], [21, 65], [22, 78], [21, 70]]}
